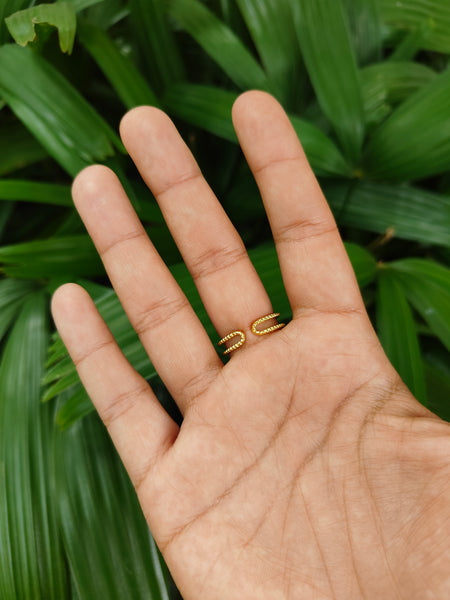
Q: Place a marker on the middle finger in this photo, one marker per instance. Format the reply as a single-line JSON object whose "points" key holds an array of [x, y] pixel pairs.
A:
{"points": [[212, 249]]}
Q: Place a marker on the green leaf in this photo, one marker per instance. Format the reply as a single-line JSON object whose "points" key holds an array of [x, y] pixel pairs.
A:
{"points": [[220, 43], [413, 14], [273, 33], [69, 256], [53, 111], [18, 148], [158, 47], [411, 43], [386, 84], [8, 7], [427, 287], [34, 191], [110, 551], [397, 333], [402, 211], [206, 107], [324, 157], [210, 109], [79, 5], [437, 375], [129, 84], [13, 294], [414, 142], [325, 42], [6, 210], [77, 407], [32, 565], [363, 263], [365, 26], [61, 15]]}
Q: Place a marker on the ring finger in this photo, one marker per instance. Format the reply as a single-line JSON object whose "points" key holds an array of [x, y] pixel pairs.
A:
{"points": [[167, 325]]}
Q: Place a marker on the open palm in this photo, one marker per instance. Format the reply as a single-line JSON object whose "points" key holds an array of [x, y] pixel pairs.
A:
{"points": [[303, 468]]}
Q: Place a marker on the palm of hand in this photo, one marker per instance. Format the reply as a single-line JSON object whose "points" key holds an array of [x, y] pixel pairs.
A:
{"points": [[303, 468], [282, 484]]}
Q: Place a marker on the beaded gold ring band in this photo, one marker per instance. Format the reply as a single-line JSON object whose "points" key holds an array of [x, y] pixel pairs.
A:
{"points": [[254, 329], [267, 329], [236, 345]]}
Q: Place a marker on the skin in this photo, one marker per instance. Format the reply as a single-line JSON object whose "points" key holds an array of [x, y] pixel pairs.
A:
{"points": [[304, 468]]}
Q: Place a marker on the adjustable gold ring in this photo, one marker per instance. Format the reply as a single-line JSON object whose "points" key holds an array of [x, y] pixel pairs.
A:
{"points": [[236, 345], [270, 329]]}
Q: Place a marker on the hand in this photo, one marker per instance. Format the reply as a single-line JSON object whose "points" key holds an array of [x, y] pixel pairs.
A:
{"points": [[304, 468]]}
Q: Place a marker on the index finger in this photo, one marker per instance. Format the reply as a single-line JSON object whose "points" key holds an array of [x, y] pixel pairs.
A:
{"points": [[316, 270]]}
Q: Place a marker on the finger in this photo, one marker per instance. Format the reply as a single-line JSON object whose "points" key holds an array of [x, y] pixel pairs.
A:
{"points": [[139, 427], [229, 286], [168, 327], [316, 270]]}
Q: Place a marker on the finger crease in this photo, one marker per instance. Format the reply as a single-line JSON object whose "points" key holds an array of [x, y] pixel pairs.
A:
{"points": [[159, 313], [216, 259], [303, 230], [278, 161], [122, 403], [77, 361], [180, 181], [133, 235], [199, 385]]}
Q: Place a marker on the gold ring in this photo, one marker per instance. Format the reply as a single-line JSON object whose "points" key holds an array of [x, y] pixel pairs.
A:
{"points": [[270, 329], [236, 345]]}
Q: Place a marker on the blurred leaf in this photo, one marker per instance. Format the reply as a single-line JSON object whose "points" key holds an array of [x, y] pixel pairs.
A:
{"points": [[220, 43], [55, 257], [8, 7], [63, 375], [12, 291], [110, 551], [365, 26], [388, 83], [437, 375], [13, 294], [159, 49], [363, 263], [411, 43], [414, 142], [273, 33], [32, 564], [129, 84], [18, 148], [107, 14], [427, 287], [6, 210], [34, 191], [60, 14], [210, 108], [324, 157], [412, 14], [326, 46], [82, 4], [397, 333], [406, 212], [206, 107], [77, 407], [70, 129]]}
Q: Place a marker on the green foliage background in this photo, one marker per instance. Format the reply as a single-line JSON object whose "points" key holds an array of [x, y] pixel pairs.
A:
{"points": [[367, 86]]}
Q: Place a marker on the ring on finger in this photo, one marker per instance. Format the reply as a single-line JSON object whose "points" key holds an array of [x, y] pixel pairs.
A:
{"points": [[254, 329]]}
